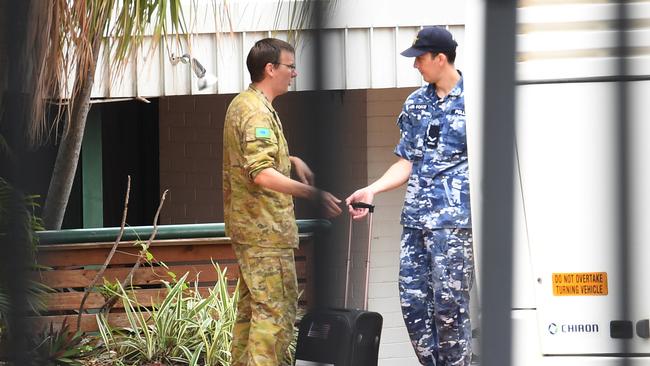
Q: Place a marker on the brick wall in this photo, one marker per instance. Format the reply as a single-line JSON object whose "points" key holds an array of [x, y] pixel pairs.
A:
{"points": [[326, 129], [190, 157]]}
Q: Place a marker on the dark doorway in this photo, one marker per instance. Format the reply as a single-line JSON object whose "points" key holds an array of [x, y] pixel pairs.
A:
{"points": [[130, 147]]}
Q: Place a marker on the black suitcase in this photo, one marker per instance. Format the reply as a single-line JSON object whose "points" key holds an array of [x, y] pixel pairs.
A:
{"points": [[342, 337]]}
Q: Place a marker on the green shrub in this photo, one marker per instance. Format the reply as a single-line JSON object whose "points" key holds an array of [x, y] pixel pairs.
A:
{"points": [[184, 329], [60, 346]]}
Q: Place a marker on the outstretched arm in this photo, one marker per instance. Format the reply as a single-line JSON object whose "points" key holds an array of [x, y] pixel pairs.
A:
{"points": [[395, 176], [270, 178]]}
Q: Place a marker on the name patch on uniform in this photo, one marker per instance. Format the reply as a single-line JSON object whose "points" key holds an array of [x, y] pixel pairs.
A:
{"points": [[262, 133], [417, 107]]}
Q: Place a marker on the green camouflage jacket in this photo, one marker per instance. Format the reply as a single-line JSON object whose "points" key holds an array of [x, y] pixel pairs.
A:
{"points": [[253, 141]]}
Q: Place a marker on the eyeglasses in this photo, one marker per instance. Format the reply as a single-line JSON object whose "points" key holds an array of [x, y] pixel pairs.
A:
{"points": [[292, 67]]}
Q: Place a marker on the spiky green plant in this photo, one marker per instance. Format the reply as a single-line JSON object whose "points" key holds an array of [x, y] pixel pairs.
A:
{"points": [[60, 347], [215, 324], [184, 328]]}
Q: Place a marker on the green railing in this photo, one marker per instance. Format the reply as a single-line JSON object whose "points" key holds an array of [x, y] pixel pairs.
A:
{"points": [[187, 231]]}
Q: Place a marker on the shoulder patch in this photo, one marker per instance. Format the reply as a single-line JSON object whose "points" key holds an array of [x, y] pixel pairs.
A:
{"points": [[262, 133]]}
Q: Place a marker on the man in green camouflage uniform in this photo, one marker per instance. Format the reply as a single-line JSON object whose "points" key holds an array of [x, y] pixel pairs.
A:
{"points": [[258, 207]]}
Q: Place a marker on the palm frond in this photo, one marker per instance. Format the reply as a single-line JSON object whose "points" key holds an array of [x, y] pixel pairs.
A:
{"points": [[300, 15], [68, 53], [74, 31]]}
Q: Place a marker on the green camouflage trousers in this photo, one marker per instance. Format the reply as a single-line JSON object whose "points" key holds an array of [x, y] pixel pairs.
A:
{"points": [[266, 311]]}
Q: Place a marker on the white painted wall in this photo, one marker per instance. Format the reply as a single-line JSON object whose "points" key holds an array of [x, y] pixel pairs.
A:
{"points": [[383, 134]]}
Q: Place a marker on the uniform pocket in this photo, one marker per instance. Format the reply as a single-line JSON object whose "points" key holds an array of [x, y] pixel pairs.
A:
{"points": [[267, 283], [461, 261], [289, 277], [427, 168], [453, 138], [272, 274]]}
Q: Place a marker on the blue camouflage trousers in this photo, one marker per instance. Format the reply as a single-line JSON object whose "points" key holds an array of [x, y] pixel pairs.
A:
{"points": [[435, 276]]}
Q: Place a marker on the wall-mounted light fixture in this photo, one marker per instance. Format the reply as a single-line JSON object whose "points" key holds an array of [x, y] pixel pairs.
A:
{"points": [[205, 79]]}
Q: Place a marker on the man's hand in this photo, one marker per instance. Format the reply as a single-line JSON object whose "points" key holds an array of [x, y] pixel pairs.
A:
{"points": [[270, 178], [362, 195], [304, 174], [328, 203]]}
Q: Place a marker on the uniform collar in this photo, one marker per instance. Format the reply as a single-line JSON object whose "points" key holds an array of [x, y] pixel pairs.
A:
{"points": [[266, 103], [262, 97], [456, 91]]}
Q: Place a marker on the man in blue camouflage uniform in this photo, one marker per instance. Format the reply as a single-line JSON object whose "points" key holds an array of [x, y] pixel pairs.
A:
{"points": [[436, 260]]}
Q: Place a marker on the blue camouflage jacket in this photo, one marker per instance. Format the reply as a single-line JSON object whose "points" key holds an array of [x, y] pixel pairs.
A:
{"points": [[433, 138]]}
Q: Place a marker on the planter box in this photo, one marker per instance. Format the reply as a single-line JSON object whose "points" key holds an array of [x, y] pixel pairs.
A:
{"points": [[71, 266]]}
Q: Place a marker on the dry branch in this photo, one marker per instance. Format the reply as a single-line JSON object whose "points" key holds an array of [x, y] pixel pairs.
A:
{"points": [[110, 255], [143, 254]]}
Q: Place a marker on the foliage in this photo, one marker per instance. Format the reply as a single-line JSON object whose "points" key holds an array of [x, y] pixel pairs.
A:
{"points": [[27, 207], [59, 347], [185, 328], [301, 15], [62, 34], [215, 325], [108, 288], [66, 35], [290, 356], [9, 209]]}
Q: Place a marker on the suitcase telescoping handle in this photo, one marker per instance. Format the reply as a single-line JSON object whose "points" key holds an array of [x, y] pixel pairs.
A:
{"points": [[371, 209]]}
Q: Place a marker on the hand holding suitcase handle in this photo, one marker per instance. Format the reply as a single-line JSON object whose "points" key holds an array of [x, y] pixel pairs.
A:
{"points": [[370, 207]]}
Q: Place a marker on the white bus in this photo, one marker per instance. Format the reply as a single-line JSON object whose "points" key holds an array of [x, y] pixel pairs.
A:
{"points": [[567, 282]]}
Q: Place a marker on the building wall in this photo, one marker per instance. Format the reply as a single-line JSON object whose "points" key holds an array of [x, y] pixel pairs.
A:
{"points": [[190, 158], [362, 39], [326, 129], [383, 108]]}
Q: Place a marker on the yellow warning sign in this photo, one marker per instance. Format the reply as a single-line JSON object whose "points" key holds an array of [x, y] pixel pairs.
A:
{"points": [[580, 284]]}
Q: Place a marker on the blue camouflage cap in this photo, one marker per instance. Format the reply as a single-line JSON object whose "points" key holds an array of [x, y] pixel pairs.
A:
{"points": [[431, 39]]}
